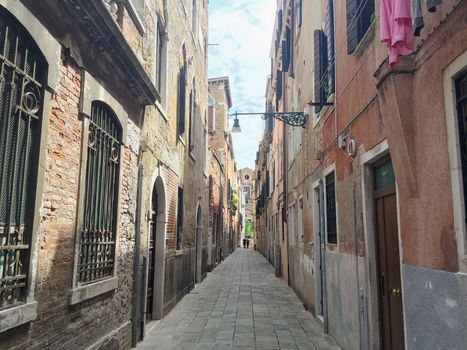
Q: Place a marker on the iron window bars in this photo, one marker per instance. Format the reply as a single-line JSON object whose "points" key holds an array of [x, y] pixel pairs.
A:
{"points": [[22, 79], [331, 223], [98, 235]]}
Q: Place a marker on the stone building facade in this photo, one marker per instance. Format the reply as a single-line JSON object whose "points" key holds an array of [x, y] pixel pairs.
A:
{"points": [[105, 103], [220, 142], [371, 259], [246, 203]]}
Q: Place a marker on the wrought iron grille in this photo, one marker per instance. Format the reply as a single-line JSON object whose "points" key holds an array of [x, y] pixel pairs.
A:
{"points": [[22, 73], [331, 208], [97, 243]]}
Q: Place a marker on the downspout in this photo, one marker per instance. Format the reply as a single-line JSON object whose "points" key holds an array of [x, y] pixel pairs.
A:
{"points": [[286, 162], [137, 322], [360, 292], [323, 258]]}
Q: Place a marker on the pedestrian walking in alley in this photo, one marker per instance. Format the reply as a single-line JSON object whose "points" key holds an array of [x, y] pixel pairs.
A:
{"points": [[247, 243]]}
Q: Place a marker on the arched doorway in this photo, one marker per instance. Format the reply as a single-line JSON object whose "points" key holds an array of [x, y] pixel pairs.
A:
{"points": [[199, 244], [156, 254]]}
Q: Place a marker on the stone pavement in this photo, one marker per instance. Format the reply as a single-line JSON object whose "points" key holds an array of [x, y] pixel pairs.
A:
{"points": [[241, 305]]}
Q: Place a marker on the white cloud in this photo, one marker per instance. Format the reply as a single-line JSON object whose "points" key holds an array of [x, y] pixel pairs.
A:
{"points": [[243, 30]]}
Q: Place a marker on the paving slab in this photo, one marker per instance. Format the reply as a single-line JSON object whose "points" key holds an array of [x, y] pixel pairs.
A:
{"points": [[240, 305]]}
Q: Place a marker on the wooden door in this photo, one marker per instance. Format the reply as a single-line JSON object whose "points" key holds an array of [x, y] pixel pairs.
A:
{"points": [[387, 238]]}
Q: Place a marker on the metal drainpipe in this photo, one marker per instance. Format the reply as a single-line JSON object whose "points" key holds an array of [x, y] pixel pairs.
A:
{"points": [[323, 257], [286, 161], [361, 304], [136, 306]]}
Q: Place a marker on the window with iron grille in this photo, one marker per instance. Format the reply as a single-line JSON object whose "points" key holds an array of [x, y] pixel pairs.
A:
{"points": [[331, 225], [22, 79], [461, 99], [178, 237], [98, 234]]}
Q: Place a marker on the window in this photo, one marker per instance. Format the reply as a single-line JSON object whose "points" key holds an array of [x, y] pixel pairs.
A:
{"points": [[360, 14], [161, 62], [278, 88], [214, 228], [23, 69], [193, 109], [211, 114], [97, 238], [329, 84], [286, 51], [461, 102], [321, 65], [300, 220], [291, 224], [181, 102], [194, 19], [299, 13], [179, 233], [331, 225], [247, 192]]}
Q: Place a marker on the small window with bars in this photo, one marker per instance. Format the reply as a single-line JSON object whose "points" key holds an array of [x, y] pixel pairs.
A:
{"points": [[179, 232], [331, 224], [22, 80], [98, 234]]}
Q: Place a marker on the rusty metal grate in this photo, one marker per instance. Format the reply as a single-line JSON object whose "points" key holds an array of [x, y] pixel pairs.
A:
{"points": [[22, 72], [97, 241]]}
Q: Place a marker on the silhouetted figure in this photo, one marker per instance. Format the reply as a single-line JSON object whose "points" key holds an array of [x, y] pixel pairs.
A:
{"points": [[244, 243], [247, 243]]}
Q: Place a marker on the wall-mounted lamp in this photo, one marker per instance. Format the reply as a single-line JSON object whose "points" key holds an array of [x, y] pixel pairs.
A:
{"points": [[236, 126]]}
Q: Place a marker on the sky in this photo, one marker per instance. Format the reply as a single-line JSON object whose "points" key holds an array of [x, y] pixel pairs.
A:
{"points": [[243, 31]]}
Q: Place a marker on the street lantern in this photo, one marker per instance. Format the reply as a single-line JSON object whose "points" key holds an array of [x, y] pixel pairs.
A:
{"points": [[236, 126], [297, 119]]}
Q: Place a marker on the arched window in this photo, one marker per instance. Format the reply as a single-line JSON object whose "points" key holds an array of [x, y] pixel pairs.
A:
{"points": [[181, 87], [22, 79], [97, 238]]}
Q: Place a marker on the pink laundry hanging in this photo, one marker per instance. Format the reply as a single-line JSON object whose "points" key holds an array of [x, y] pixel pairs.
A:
{"points": [[396, 28]]}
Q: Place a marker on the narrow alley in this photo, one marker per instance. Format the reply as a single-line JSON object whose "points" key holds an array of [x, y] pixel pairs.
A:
{"points": [[240, 305]]}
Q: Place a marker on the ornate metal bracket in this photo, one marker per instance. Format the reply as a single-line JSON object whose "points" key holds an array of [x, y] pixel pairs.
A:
{"points": [[297, 119]]}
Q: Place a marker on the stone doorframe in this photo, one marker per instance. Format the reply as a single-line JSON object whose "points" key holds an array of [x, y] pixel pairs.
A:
{"points": [[368, 159]]}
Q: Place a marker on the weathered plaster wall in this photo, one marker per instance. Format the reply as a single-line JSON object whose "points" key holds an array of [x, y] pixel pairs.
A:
{"points": [[435, 308]]}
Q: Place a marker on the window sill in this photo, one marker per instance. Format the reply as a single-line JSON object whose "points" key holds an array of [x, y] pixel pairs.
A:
{"points": [[192, 156], [182, 141], [17, 315], [323, 111], [178, 252], [162, 111], [184, 8], [90, 291]]}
